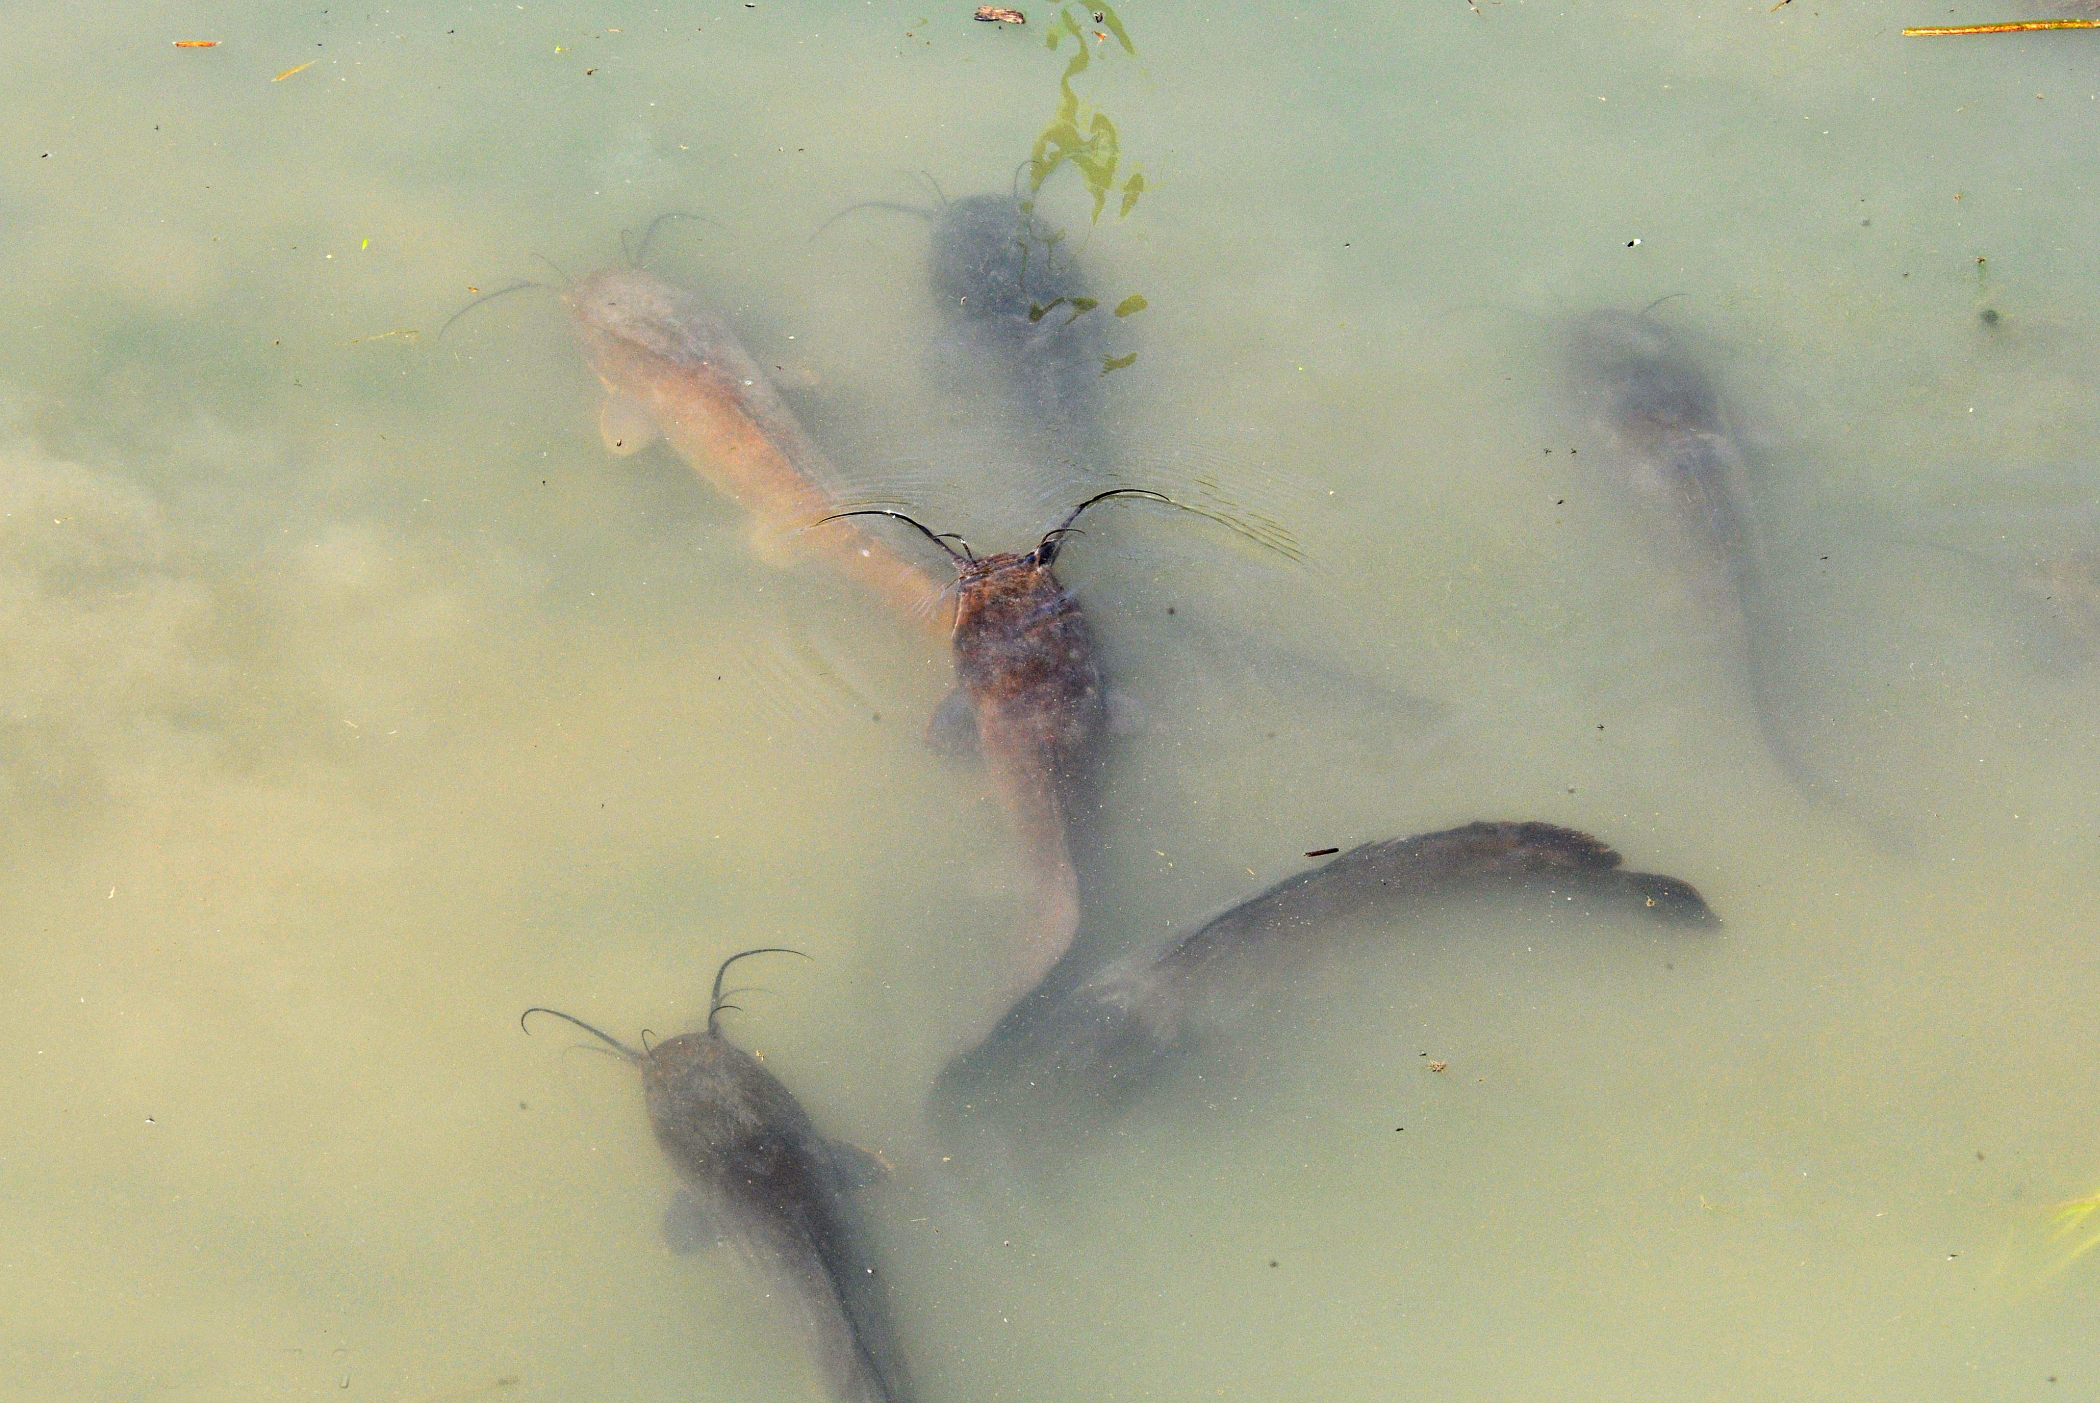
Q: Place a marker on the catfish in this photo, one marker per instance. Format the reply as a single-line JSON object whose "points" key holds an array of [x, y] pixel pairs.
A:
{"points": [[1686, 476], [1079, 1053], [756, 1172], [1022, 332], [674, 370], [1029, 700], [1019, 353]]}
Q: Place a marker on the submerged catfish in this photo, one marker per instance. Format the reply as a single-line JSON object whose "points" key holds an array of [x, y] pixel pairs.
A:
{"points": [[1023, 332], [1020, 350], [674, 370], [1687, 476], [1073, 1055], [1028, 692], [756, 1173]]}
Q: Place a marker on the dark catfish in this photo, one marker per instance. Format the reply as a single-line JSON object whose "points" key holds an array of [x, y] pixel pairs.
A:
{"points": [[1019, 353], [1680, 464], [1028, 692], [673, 369], [1069, 1055], [757, 1174], [1023, 331]]}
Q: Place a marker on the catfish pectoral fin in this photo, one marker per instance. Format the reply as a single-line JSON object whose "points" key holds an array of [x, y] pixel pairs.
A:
{"points": [[952, 729], [626, 425]]}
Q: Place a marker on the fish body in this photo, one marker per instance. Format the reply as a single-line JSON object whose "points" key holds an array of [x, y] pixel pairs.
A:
{"points": [[1016, 358], [1029, 701], [1469, 861], [673, 369], [1683, 469], [985, 262], [1014, 337], [1680, 463], [1073, 1056], [1025, 666], [762, 1177], [756, 1174]]}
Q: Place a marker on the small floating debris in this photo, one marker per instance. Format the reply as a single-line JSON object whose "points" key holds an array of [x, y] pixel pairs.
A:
{"points": [[2010, 27], [992, 14], [196, 43], [1323, 852], [290, 71]]}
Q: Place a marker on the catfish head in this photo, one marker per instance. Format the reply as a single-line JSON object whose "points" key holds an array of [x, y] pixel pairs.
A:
{"points": [[1024, 656], [717, 1113]]}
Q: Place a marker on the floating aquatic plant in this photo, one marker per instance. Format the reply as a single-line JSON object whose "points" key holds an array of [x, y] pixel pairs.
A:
{"points": [[1085, 139]]}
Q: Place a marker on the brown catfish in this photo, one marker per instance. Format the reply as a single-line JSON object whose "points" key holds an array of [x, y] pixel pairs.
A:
{"points": [[1071, 1055], [757, 1174], [672, 369], [1028, 686]]}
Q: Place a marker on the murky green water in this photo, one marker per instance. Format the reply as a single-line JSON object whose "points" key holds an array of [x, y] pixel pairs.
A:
{"points": [[353, 699]]}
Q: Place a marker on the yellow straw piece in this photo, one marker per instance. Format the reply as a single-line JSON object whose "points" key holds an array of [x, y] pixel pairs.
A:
{"points": [[2065, 1241], [2012, 28], [290, 71]]}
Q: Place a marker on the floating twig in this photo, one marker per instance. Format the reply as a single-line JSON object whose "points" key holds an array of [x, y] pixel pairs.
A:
{"points": [[290, 71], [2011, 27]]}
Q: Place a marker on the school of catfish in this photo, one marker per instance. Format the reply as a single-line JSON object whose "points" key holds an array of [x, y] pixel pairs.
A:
{"points": [[1088, 1019]]}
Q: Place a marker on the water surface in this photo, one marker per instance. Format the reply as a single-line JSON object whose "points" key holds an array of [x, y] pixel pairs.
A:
{"points": [[354, 699]]}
